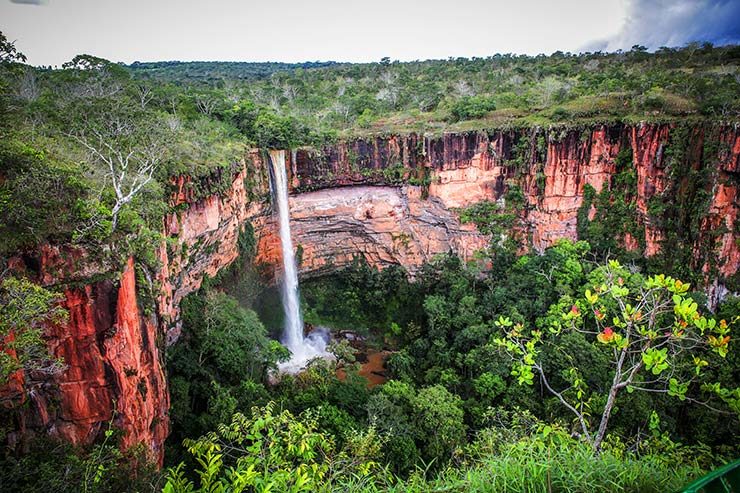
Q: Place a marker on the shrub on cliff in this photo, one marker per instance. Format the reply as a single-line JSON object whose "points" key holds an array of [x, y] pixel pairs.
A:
{"points": [[52, 465], [272, 131], [26, 309]]}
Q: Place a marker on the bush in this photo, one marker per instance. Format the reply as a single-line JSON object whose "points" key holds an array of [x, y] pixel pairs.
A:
{"points": [[271, 451], [468, 108]]}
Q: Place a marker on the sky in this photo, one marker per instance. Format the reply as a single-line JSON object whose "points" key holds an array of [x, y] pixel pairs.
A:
{"points": [[50, 32]]}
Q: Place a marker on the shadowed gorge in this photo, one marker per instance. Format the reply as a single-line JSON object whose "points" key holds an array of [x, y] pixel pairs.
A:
{"points": [[390, 223]]}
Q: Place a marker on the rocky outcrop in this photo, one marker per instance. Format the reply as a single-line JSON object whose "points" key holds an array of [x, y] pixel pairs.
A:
{"points": [[114, 372], [386, 225]]}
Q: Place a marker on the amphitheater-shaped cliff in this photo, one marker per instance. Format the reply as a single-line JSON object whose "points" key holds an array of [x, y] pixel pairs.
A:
{"points": [[391, 199]]}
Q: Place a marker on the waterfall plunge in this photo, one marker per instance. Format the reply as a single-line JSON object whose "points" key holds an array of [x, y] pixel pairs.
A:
{"points": [[302, 349]]}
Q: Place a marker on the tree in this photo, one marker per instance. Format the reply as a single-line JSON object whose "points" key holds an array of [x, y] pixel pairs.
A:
{"points": [[439, 420], [469, 107], [273, 131], [9, 59], [233, 342], [8, 52], [219, 363], [651, 328], [430, 420], [88, 76], [25, 310], [131, 153], [87, 62], [39, 196]]}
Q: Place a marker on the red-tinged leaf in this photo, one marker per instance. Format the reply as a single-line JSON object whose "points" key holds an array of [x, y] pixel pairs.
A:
{"points": [[606, 336]]}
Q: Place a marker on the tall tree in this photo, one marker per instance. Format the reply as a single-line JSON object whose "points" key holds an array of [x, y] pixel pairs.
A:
{"points": [[129, 151]]}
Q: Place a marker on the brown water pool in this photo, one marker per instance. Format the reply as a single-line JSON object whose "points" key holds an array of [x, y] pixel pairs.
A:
{"points": [[372, 367]]}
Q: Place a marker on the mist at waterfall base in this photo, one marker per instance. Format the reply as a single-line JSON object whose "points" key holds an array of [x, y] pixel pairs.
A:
{"points": [[302, 349]]}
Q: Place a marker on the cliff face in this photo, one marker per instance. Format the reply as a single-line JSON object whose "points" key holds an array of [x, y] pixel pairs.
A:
{"points": [[388, 199], [114, 371], [387, 225], [203, 235], [114, 340], [384, 224], [552, 169]]}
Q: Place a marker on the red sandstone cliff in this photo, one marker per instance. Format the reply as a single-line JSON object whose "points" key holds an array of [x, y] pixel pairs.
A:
{"points": [[114, 350], [462, 169], [114, 370]]}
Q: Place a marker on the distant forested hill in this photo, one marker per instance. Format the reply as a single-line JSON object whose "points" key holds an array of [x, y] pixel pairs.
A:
{"points": [[461, 93], [216, 71]]}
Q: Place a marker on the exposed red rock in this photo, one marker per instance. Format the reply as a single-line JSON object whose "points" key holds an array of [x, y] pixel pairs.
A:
{"points": [[113, 368], [572, 162], [346, 199], [721, 222], [131, 351], [12, 394], [648, 146], [205, 237], [465, 168], [387, 225]]}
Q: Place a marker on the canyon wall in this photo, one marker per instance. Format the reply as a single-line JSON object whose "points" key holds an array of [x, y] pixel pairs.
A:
{"points": [[112, 356], [387, 225], [552, 169], [120, 324], [390, 199]]}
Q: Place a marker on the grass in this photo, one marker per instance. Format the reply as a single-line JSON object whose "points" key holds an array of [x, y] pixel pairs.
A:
{"points": [[531, 466]]}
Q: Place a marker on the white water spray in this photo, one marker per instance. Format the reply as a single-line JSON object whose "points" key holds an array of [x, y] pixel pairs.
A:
{"points": [[302, 349]]}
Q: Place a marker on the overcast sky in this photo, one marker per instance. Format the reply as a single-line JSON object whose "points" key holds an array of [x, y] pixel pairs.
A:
{"points": [[51, 32]]}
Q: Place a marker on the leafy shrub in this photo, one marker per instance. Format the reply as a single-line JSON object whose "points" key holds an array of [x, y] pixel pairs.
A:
{"points": [[50, 465], [271, 451], [470, 107]]}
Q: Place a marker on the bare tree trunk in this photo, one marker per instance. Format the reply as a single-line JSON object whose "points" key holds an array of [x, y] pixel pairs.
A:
{"points": [[605, 417], [616, 385], [114, 219]]}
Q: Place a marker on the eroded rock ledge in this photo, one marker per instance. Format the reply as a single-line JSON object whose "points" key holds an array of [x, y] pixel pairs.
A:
{"points": [[387, 225]]}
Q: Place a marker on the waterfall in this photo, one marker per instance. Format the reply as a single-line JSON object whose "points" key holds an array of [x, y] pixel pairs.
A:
{"points": [[301, 349]]}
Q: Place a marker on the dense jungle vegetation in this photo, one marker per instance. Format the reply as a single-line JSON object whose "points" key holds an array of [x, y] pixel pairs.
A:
{"points": [[505, 373], [459, 414]]}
